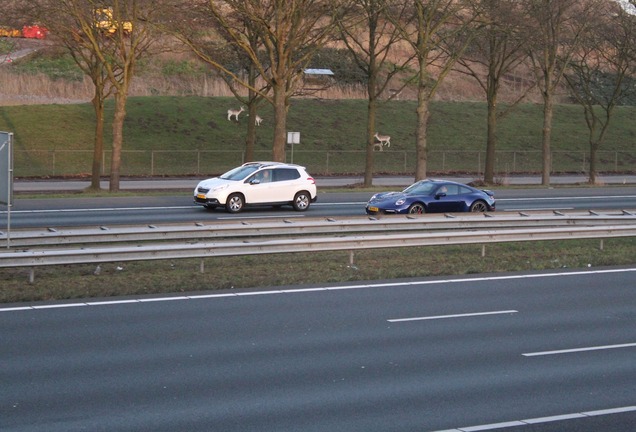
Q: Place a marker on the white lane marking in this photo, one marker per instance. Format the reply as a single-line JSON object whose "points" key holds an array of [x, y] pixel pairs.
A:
{"points": [[330, 288], [567, 197], [96, 210], [269, 216], [575, 350], [538, 209], [539, 420], [452, 316], [112, 209]]}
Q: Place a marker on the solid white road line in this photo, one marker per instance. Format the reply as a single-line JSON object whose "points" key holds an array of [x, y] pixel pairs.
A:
{"points": [[327, 288], [540, 420], [568, 351], [452, 316]]}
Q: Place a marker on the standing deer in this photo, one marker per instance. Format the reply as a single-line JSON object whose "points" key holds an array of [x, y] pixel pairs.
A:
{"points": [[385, 140], [234, 113], [257, 120]]}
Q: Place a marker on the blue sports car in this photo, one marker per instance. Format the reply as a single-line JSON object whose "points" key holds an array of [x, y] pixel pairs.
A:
{"points": [[432, 196]]}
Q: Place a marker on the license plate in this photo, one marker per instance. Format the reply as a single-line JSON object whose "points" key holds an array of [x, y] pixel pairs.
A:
{"points": [[201, 196], [373, 209]]}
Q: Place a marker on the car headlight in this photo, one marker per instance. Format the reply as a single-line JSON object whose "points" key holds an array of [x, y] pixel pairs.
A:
{"points": [[221, 187], [400, 201]]}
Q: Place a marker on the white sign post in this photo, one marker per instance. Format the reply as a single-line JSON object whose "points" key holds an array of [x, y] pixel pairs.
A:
{"points": [[6, 177], [293, 138]]}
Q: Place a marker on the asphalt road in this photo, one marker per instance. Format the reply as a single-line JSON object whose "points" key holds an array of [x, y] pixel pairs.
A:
{"points": [[555, 350], [42, 212]]}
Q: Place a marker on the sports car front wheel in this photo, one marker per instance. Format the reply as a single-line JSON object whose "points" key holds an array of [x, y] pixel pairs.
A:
{"points": [[417, 208]]}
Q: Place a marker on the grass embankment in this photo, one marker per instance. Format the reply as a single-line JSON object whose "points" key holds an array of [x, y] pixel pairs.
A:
{"points": [[170, 276], [57, 140]]}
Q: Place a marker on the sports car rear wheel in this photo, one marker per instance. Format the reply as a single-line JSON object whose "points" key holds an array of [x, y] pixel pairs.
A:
{"points": [[478, 207], [417, 208]]}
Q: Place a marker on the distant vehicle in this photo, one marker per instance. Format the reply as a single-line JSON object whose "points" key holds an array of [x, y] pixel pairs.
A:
{"points": [[433, 196], [10, 32], [27, 32], [258, 183], [34, 32], [104, 21]]}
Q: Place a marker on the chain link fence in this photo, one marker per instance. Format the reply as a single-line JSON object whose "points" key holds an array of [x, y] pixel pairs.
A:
{"points": [[158, 163]]}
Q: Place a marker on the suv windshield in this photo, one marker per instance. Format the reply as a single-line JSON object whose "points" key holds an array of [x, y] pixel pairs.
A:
{"points": [[240, 173]]}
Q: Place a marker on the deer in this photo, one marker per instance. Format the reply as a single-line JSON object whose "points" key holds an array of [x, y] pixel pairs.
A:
{"points": [[234, 113], [385, 140], [257, 120]]}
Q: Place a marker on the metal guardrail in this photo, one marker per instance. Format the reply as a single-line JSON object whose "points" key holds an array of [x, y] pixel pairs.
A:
{"points": [[285, 227], [32, 248]]}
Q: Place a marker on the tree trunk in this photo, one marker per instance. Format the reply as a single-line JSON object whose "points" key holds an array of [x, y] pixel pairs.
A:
{"points": [[547, 137], [593, 170], [421, 137], [118, 139], [280, 123], [250, 140], [491, 142], [372, 108], [98, 147], [492, 91], [423, 113]]}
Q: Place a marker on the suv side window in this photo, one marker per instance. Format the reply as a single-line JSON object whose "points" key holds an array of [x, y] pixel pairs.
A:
{"points": [[285, 174]]}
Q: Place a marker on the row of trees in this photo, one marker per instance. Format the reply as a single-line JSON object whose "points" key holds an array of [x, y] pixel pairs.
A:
{"points": [[261, 47]]}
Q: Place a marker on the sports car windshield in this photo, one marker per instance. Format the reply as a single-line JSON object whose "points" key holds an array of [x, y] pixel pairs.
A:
{"points": [[240, 173], [420, 188]]}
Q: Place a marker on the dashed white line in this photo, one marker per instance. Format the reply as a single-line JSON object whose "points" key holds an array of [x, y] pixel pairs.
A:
{"points": [[475, 314], [539, 420], [575, 350]]}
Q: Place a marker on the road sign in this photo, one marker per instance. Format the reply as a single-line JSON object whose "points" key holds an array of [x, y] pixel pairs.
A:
{"points": [[6, 167]]}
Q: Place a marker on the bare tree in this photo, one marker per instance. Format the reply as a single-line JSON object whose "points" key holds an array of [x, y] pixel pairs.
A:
{"points": [[201, 32], [105, 41], [279, 37], [371, 38], [131, 40], [554, 29], [61, 19], [438, 33], [602, 73], [495, 52]]}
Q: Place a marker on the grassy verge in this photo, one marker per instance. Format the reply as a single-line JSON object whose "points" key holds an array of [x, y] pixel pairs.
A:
{"points": [[139, 278], [191, 135]]}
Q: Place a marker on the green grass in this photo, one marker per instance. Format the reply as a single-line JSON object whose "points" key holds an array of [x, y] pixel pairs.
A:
{"points": [[139, 278], [175, 128]]}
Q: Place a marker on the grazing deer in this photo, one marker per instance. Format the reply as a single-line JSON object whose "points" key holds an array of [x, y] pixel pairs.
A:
{"points": [[234, 113], [377, 146], [385, 140]]}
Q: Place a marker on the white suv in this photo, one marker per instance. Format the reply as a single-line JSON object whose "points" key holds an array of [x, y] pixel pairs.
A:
{"points": [[258, 183]]}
